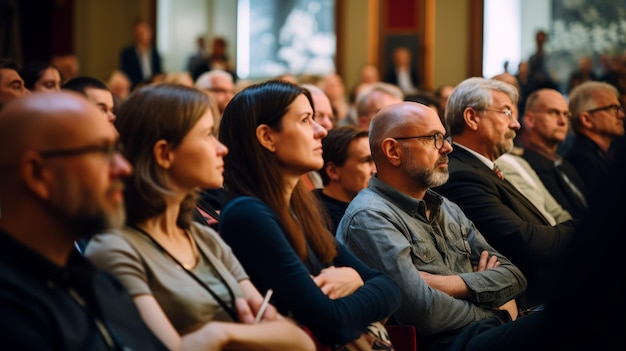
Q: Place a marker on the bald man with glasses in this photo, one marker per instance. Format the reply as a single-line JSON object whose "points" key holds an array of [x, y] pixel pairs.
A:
{"points": [[441, 262], [598, 122], [61, 179]]}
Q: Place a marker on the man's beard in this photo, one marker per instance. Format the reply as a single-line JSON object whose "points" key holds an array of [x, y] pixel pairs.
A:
{"points": [[429, 178]]}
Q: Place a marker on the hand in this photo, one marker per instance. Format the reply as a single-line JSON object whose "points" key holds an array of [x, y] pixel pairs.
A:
{"points": [[245, 310], [485, 262], [337, 282], [511, 307]]}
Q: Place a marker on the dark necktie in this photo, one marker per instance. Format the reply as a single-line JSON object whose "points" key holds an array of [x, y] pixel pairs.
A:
{"points": [[497, 171], [571, 185]]}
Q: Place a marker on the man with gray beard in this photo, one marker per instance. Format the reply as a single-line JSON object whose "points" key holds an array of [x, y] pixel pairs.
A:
{"points": [[61, 179], [481, 116], [454, 284]]}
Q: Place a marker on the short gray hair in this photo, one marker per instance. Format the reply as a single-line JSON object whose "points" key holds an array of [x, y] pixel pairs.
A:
{"points": [[473, 92], [363, 100], [581, 99]]}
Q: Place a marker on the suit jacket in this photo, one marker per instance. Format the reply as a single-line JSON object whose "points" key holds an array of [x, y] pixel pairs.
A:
{"points": [[592, 163], [551, 177], [509, 221], [129, 64]]}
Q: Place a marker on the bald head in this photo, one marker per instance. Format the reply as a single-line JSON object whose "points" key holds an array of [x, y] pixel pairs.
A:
{"points": [[42, 121], [399, 120]]}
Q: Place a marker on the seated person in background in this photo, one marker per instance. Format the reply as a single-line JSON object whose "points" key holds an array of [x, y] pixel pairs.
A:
{"points": [[60, 180], [481, 121], [519, 173], [373, 98], [450, 277], [11, 84], [186, 282], [41, 76], [546, 120], [279, 230], [598, 121], [95, 91], [347, 169], [324, 116]]}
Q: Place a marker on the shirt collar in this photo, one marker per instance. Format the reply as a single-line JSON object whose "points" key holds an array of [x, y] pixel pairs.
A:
{"points": [[410, 205], [482, 158]]}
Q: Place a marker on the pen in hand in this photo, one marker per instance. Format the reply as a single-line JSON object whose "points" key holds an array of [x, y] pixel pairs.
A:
{"points": [[263, 307]]}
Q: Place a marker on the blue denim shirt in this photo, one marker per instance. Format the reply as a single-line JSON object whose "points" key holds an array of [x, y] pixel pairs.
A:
{"points": [[390, 231]]}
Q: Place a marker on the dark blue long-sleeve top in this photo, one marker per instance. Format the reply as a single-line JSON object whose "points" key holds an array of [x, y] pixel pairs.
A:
{"points": [[258, 240]]}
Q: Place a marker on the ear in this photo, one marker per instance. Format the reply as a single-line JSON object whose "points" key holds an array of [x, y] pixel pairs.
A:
{"points": [[265, 136], [471, 118], [331, 171], [585, 120], [163, 154], [36, 177], [392, 150], [529, 120]]}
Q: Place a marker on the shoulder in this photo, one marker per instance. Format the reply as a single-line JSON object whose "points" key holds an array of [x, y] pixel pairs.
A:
{"points": [[102, 246]]}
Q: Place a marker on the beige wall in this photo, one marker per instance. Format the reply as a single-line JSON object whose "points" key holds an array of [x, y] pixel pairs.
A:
{"points": [[102, 29], [451, 56], [356, 36]]}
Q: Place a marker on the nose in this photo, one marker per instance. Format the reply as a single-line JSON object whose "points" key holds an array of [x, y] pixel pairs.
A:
{"points": [[222, 150], [319, 130], [446, 148], [120, 167]]}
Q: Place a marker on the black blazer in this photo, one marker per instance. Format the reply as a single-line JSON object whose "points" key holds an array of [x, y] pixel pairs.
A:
{"points": [[592, 163], [129, 64], [556, 184], [509, 222]]}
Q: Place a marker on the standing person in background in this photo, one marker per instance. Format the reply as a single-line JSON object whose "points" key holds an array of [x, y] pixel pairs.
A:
{"points": [[217, 59], [41, 76], [402, 73], [279, 230], [140, 61], [186, 282], [11, 84], [539, 75], [61, 180]]}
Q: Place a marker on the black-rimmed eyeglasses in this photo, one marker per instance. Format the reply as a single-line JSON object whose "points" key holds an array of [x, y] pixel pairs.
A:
{"points": [[108, 150], [437, 138], [614, 108]]}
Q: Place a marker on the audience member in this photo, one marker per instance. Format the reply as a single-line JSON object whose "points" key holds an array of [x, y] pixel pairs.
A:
{"points": [[443, 93], [444, 266], [185, 281], [597, 120], [324, 116], [41, 76], [11, 84], [480, 118], [523, 177], [119, 84], [402, 73], [373, 98], [347, 169], [426, 98], [547, 123], [352, 118], [278, 229], [583, 73], [68, 65], [334, 87], [60, 180], [219, 85], [182, 78], [95, 91], [140, 61], [369, 74]]}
